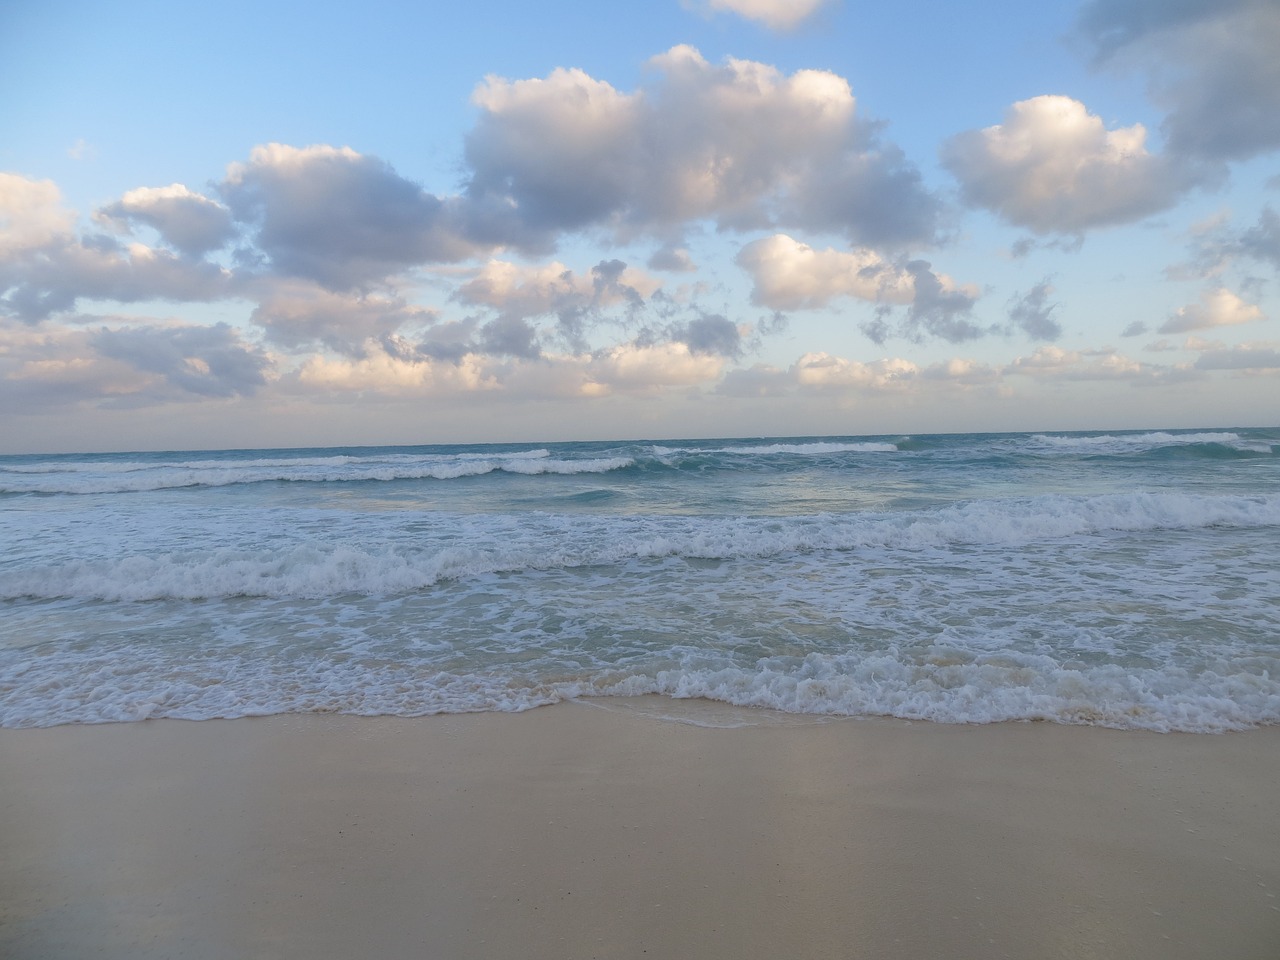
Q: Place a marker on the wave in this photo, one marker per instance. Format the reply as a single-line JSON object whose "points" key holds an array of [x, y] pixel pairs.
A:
{"points": [[141, 477], [814, 448], [951, 687], [354, 561], [1205, 443], [934, 684]]}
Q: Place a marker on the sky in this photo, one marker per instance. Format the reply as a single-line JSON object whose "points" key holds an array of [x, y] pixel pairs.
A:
{"points": [[265, 224]]}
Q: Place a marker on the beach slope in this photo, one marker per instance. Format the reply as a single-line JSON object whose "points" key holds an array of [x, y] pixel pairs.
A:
{"points": [[593, 831]]}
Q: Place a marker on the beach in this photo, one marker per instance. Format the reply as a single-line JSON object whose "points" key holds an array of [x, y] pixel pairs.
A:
{"points": [[636, 827]]}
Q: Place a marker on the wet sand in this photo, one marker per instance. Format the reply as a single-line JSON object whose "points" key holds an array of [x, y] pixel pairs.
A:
{"points": [[583, 830]]}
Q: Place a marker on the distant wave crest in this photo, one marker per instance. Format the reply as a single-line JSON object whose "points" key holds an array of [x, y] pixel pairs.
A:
{"points": [[816, 448], [1131, 443], [91, 478]]}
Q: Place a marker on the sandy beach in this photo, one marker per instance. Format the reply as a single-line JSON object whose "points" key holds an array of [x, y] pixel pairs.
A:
{"points": [[588, 830]]}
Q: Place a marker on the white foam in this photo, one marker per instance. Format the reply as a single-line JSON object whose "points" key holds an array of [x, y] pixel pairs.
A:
{"points": [[941, 688], [816, 448], [1130, 442], [142, 477], [991, 689], [373, 554]]}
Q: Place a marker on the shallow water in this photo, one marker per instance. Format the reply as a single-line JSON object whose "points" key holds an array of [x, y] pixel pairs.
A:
{"points": [[1128, 579]]}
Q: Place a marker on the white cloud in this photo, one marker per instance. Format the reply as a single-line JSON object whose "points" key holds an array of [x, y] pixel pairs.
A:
{"points": [[301, 314], [633, 367], [45, 268], [1212, 65], [822, 371], [50, 280], [1217, 308], [31, 215], [1053, 167], [740, 144], [205, 361], [341, 218], [382, 374], [790, 275], [190, 222], [527, 291], [959, 370], [890, 376], [672, 258], [55, 368], [775, 14], [569, 144], [1055, 363], [133, 362], [625, 368]]}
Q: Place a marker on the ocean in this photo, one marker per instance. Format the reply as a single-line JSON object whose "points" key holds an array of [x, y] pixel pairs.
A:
{"points": [[1124, 579]]}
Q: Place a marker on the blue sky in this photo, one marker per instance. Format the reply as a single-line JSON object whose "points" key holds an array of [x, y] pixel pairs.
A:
{"points": [[282, 224]]}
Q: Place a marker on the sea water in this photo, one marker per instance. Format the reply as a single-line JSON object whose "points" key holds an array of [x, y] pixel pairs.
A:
{"points": [[1121, 579]]}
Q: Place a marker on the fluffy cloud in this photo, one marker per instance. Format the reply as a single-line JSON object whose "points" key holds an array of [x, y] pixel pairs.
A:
{"points": [[940, 307], [825, 373], [59, 368], [340, 218], [672, 258], [1212, 65], [130, 363], [52, 279], [1032, 313], [961, 371], [45, 268], [1217, 308], [740, 144], [554, 288], [1054, 363], [208, 361], [564, 148], [642, 368], [775, 14], [383, 374], [790, 275], [709, 334], [298, 314], [189, 222], [31, 216], [625, 368], [577, 301], [822, 371], [509, 336], [1053, 167]]}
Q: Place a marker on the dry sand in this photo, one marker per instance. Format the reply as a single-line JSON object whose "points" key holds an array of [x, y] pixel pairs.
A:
{"points": [[579, 831]]}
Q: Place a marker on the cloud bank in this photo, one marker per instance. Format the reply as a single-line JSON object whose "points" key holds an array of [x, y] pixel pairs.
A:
{"points": [[350, 279]]}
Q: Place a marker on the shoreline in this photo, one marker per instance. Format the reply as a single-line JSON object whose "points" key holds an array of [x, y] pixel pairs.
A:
{"points": [[649, 830]]}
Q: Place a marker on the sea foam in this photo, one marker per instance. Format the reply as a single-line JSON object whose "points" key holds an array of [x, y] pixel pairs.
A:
{"points": [[1125, 579], [381, 555]]}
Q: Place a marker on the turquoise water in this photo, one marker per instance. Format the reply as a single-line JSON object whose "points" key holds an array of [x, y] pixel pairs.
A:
{"points": [[1125, 579]]}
